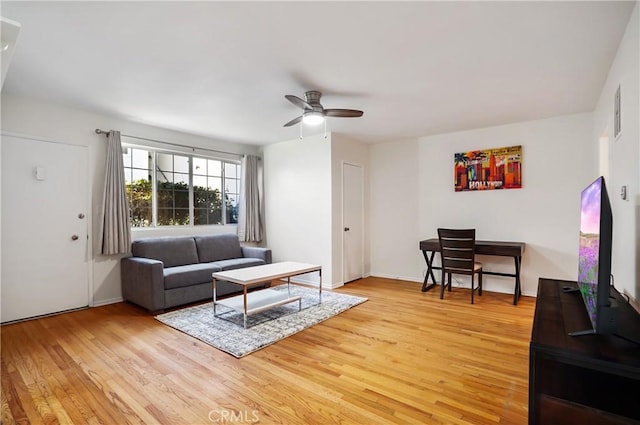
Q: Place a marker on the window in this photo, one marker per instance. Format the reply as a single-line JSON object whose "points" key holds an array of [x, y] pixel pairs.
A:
{"points": [[173, 189], [207, 182], [137, 177], [232, 191]]}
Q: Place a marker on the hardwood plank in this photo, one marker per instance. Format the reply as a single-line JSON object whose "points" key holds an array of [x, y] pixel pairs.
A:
{"points": [[12, 412], [403, 357]]}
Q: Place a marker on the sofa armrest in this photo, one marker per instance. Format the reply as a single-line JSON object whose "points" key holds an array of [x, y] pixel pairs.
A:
{"points": [[257, 252], [143, 282]]}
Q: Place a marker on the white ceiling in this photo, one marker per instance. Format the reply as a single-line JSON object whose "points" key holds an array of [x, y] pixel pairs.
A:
{"points": [[221, 69]]}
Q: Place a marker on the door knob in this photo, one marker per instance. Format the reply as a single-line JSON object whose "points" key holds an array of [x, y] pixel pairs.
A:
{"points": [[80, 216], [346, 229], [74, 237]]}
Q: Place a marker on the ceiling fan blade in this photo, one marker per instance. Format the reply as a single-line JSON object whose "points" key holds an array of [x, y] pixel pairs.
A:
{"points": [[294, 121], [298, 102], [348, 113]]}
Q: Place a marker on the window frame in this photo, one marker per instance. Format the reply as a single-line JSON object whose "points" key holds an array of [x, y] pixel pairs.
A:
{"points": [[153, 152]]}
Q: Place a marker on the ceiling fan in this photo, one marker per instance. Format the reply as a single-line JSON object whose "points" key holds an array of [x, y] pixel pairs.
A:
{"points": [[312, 111]]}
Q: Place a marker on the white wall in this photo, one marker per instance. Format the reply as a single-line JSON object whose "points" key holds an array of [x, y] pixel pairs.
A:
{"points": [[297, 179], [410, 187], [412, 195], [394, 209], [41, 120], [303, 201], [624, 157], [345, 150]]}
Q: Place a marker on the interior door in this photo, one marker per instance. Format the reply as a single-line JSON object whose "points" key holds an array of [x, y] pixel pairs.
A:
{"points": [[353, 222], [45, 257]]}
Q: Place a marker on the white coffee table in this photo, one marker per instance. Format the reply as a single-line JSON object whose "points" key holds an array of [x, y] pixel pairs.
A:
{"points": [[263, 299]]}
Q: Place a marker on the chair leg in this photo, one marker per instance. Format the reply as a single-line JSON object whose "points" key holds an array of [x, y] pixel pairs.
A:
{"points": [[443, 285], [480, 283], [449, 284], [472, 291]]}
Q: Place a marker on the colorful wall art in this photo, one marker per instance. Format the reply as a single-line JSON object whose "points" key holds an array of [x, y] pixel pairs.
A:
{"points": [[489, 169]]}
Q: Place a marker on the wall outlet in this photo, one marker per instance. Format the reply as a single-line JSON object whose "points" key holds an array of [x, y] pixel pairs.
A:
{"points": [[623, 192]]}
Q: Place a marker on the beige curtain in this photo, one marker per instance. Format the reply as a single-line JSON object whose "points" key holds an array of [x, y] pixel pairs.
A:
{"points": [[251, 187], [115, 235]]}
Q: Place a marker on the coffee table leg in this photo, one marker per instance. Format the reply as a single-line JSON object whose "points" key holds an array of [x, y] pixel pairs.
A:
{"points": [[214, 297], [245, 306], [320, 285]]}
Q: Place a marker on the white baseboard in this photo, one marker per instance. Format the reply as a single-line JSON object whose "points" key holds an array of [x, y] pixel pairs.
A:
{"points": [[413, 279], [396, 277], [100, 303], [309, 282], [634, 303]]}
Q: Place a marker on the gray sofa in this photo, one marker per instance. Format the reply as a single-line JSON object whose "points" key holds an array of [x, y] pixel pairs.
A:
{"points": [[170, 271]]}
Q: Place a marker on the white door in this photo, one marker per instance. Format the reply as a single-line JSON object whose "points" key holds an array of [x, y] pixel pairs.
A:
{"points": [[45, 192], [353, 222]]}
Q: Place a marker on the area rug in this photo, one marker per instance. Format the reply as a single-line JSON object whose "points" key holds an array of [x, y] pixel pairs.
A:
{"points": [[226, 332]]}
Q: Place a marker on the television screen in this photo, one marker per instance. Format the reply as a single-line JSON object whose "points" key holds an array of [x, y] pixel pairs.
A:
{"points": [[594, 257], [589, 249]]}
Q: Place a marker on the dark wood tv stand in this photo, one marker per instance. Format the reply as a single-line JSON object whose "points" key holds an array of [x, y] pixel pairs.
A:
{"points": [[591, 379]]}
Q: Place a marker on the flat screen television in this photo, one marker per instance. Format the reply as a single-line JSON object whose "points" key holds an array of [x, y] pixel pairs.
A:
{"points": [[594, 258]]}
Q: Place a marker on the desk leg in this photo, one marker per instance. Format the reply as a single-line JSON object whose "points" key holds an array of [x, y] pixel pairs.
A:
{"points": [[517, 291], [429, 260]]}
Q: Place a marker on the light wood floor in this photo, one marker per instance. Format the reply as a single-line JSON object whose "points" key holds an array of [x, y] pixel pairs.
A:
{"points": [[403, 357]]}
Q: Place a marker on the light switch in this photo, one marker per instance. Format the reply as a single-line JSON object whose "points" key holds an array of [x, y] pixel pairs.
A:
{"points": [[40, 173]]}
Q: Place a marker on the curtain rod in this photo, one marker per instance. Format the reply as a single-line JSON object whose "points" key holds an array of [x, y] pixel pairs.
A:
{"points": [[106, 133]]}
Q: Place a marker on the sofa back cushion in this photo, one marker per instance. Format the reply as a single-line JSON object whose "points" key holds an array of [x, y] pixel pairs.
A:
{"points": [[218, 247], [171, 250]]}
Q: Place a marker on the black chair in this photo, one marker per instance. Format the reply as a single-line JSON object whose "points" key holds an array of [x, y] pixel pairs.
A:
{"points": [[457, 250]]}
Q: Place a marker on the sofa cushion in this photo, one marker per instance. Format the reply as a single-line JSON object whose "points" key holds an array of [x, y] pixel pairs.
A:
{"points": [[239, 263], [192, 274], [218, 247], [171, 250]]}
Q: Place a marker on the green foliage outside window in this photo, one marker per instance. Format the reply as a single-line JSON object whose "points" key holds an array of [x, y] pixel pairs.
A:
{"points": [[173, 204], [139, 196]]}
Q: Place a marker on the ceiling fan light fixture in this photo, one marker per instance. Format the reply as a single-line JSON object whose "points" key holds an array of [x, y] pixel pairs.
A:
{"points": [[313, 113], [313, 118]]}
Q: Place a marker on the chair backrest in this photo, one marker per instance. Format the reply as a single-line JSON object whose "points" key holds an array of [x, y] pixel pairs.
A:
{"points": [[457, 249]]}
